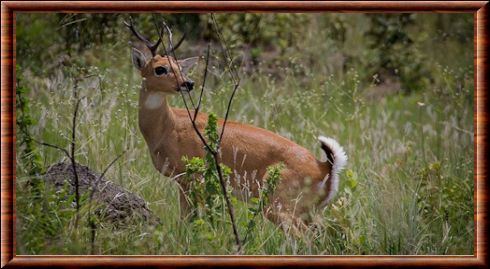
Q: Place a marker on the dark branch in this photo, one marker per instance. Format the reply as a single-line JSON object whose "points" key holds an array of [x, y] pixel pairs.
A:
{"points": [[227, 113], [227, 200], [172, 51], [53, 146], [171, 37], [233, 73], [72, 155], [231, 67], [214, 152], [201, 137], [195, 126], [196, 111], [95, 186], [96, 183]]}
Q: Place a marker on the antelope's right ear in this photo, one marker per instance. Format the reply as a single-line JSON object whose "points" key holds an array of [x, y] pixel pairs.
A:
{"points": [[139, 59]]}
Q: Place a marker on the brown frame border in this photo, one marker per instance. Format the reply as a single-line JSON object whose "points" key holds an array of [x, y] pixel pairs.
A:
{"points": [[8, 9]]}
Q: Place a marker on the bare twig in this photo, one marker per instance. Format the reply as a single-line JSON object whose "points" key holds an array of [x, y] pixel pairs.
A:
{"points": [[53, 146], [171, 49], [199, 134], [236, 81], [233, 74], [196, 111], [174, 54], [226, 52], [95, 186], [228, 203], [227, 112], [201, 137], [72, 156]]}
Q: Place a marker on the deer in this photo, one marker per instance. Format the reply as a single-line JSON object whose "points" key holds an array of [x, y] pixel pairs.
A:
{"points": [[305, 183]]}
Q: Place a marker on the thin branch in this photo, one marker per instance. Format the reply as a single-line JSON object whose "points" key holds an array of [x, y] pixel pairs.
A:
{"points": [[95, 186], [199, 134], [201, 137], [228, 203], [233, 73], [160, 31], [196, 111], [227, 112], [236, 80], [53, 146], [231, 67], [214, 152], [172, 50], [72, 157], [167, 52], [73, 144]]}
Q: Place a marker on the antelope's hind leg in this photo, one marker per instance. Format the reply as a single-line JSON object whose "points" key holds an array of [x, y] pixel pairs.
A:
{"points": [[289, 223]]}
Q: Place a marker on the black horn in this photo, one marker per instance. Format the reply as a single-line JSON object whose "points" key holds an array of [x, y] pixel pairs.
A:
{"points": [[151, 46]]}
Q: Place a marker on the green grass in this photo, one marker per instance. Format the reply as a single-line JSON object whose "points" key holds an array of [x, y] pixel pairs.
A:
{"points": [[407, 189]]}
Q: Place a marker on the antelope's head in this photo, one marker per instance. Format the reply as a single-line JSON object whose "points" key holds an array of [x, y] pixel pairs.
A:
{"points": [[161, 73]]}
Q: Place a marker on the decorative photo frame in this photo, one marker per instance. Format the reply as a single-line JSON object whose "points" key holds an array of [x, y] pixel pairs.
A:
{"points": [[8, 137]]}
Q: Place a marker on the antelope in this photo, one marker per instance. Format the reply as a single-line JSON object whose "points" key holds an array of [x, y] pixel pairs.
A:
{"points": [[305, 183]]}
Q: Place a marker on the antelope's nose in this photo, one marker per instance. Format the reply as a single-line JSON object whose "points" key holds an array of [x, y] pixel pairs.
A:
{"points": [[188, 84]]}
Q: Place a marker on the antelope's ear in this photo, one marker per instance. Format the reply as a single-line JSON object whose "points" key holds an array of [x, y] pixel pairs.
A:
{"points": [[186, 64], [139, 59]]}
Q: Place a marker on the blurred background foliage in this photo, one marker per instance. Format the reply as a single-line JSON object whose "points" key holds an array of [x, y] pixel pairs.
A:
{"points": [[389, 48], [396, 90]]}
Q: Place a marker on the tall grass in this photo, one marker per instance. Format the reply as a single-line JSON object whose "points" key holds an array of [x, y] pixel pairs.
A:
{"points": [[408, 187]]}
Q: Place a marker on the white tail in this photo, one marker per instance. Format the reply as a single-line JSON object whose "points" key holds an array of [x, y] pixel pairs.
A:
{"points": [[336, 155]]}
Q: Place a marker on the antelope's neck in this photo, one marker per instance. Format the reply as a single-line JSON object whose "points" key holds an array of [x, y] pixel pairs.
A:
{"points": [[156, 118]]}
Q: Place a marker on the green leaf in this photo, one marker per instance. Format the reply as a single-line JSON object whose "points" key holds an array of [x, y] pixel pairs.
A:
{"points": [[352, 183], [199, 222]]}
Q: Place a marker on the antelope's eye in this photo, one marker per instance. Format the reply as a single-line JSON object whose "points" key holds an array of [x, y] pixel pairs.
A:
{"points": [[161, 70]]}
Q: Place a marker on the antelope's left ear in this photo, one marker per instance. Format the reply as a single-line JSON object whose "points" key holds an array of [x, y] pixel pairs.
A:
{"points": [[186, 64], [139, 59]]}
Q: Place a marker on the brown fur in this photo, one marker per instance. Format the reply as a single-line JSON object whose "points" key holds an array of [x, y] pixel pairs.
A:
{"points": [[170, 136]]}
